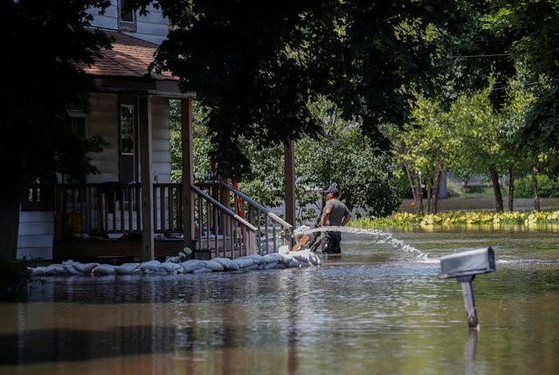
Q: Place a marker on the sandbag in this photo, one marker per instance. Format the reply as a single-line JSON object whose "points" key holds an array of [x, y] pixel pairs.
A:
{"points": [[192, 265], [214, 266], [227, 263], [171, 267], [38, 271], [127, 268], [245, 262], [258, 259], [55, 269], [271, 266], [151, 266], [85, 268], [202, 269], [294, 263], [274, 257], [104, 269], [70, 269]]}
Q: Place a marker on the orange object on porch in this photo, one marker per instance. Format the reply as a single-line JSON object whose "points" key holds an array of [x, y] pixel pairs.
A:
{"points": [[238, 201]]}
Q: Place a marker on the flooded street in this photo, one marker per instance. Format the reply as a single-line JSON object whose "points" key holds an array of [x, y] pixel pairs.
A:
{"points": [[375, 309]]}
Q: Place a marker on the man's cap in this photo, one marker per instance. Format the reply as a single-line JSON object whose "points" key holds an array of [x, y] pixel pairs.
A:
{"points": [[332, 189]]}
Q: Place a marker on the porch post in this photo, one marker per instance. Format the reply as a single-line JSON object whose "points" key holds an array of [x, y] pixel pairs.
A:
{"points": [[289, 178], [144, 114], [187, 173]]}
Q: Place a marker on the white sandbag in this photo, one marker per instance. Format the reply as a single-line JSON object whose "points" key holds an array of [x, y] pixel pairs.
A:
{"points": [[151, 266], [245, 262], [172, 267], [227, 263], [284, 249], [127, 268], [202, 269], [271, 266], [55, 269], [315, 259], [104, 269], [192, 265], [258, 259], [253, 267], [261, 266], [293, 263], [214, 266], [274, 257], [69, 267], [38, 271], [286, 260], [84, 268]]}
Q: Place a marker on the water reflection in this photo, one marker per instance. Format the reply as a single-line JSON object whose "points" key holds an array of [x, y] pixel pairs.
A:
{"points": [[373, 312], [470, 354]]}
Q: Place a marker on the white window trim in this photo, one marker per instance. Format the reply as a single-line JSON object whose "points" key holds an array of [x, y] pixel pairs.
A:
{"points": [[125, 25]]}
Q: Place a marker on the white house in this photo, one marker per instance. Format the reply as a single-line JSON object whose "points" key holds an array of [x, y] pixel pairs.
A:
{"points": [[131, 209]]}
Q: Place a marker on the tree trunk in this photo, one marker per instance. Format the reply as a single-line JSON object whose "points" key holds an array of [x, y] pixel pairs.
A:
{"points": [[536, 189], [414, 179], [9, 223], [436, 187], [429, 189], [418, 193], [496, 189], [510, 198]]}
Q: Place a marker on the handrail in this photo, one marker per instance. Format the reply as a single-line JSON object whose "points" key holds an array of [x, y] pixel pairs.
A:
{"points": [[223, 208], [270, 214]]}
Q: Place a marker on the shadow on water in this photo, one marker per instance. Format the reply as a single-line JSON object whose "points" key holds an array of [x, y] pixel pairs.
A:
{"points": [[50, 345]]}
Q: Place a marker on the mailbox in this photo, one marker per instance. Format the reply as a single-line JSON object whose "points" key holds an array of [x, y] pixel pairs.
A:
{"points": [[468, 263], [464, 267]]}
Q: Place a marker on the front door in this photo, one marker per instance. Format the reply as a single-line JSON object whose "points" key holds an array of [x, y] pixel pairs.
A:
{"points": [[127, 141]]}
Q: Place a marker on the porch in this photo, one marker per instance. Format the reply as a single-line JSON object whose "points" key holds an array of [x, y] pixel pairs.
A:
{"points": [[107, 220]]}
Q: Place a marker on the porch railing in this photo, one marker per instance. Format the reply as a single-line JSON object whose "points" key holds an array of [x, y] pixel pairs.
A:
{"points": [[273, 231], [220, 230], [112, 208]]}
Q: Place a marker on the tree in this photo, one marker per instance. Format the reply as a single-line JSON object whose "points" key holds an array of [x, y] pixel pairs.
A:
{"points": [[268, 60], [40, 81], [479, 149], [342, 154], [422, 149]]}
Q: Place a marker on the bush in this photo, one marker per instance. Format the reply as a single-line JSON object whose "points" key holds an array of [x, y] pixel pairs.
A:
{"points": [[14, 276], [405, 219], [547, 187]]}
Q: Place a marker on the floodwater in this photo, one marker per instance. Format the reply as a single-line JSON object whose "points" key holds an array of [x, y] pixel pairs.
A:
{"points": [[375, 309]]}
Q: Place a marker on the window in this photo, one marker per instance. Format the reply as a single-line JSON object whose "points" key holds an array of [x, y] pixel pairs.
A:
{"points": [[127, 129], [126, 16], [127, 142]]}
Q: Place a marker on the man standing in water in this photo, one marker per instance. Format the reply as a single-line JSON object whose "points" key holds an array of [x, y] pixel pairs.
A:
{"points": [[335, 214]]}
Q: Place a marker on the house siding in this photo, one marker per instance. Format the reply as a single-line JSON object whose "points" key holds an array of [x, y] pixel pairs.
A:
{"points": [[103, 121], [161, 139], [153, 27], [35, 236]]}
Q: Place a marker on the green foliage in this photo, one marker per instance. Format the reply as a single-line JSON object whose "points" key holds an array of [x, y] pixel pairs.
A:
{"points": [[458, 218], [201, 141], [40, 81], [547, 187], [14, 277], [268, 60]]}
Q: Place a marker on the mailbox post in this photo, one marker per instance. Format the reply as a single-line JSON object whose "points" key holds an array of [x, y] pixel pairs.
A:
{"points": [[464, 267]]}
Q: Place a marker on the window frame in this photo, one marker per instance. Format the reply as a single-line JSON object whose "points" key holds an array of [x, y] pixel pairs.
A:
{"points": [[126, 25]]}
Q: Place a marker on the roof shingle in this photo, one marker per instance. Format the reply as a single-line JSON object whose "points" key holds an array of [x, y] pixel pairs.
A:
{"points": [[129, 57]]}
